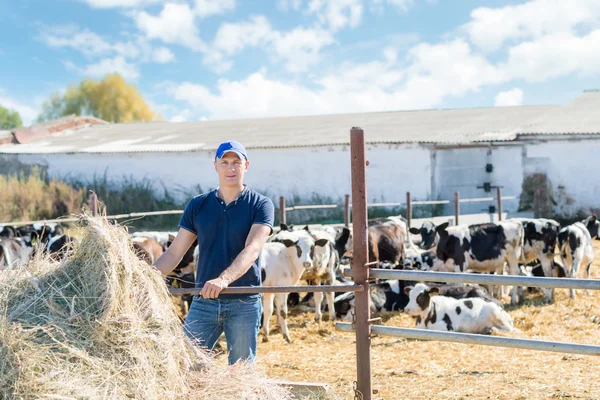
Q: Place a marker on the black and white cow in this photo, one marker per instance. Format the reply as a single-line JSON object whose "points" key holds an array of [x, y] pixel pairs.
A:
{"points": [[14, 252], [540, 240], [576, 250], [435, 312], [283, 261], [593, 226], [385, 296], [429, 235], [482, 248], [390, 295], [59, 247]]}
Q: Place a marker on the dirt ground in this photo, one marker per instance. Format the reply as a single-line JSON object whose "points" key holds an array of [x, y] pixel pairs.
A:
{"points": [[409, 369]]}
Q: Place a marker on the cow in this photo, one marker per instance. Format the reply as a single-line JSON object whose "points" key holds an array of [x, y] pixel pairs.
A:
{"points": [[482, 248], [163, 238], [534, 268], [147, 249], [576, 250], [442, 313], [593, 226], [387, 239], [59, 247], [283, 261], [419, 259], [429, 235], [386, 295], [539, 243], [184, 274], [326, 263], [390, 296], [7, 231], [14, 252]]}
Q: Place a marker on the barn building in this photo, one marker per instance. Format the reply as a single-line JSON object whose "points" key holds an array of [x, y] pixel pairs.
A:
{"points": [[546, 155]]}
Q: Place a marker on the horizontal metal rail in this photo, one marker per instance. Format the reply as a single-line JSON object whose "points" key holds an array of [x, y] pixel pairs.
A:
{"points": [[274, 289], [383, 205], [483, 279], [468, 338], [424, 202], [117, 216], [476, 200], [309, 207]]}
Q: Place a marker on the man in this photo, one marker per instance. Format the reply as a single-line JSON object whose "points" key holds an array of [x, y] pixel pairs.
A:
{"points": [[232, 224]]}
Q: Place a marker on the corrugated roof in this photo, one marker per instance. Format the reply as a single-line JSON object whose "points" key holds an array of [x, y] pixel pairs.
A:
{"points": [[456, 126]]}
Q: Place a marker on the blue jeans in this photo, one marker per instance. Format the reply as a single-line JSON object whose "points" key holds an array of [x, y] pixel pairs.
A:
{"points": [[239, 318]]}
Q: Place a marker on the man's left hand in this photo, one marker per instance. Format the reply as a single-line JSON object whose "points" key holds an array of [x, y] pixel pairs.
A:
{"points": [[213, 287]]}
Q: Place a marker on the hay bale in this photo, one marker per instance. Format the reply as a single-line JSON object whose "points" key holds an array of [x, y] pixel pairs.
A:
{"points": [[98, 325]]}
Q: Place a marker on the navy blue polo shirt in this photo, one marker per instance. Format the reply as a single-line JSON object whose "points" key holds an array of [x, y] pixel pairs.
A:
{"points": [[222, 232]]}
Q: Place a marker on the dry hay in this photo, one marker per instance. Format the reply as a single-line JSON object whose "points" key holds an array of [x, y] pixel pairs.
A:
{"points": [[101, 325], [410, 369]]}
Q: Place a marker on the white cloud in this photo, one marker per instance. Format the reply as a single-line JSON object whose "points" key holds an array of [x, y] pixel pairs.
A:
{"points": [[120, 3], [163, 55], [27, 113], [106, 66], [206, 8], [175, 24], [553, 56], [93, 45], [337, 14], [489, 28], [433, 73], [513, 97], [286, 5], [84, 41], [401, 5], [233, 37], [299, 48]]}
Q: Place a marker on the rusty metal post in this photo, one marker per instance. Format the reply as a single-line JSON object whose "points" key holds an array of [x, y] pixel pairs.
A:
{"points": [[282, 216], [347, 210], [359, 261], [456, 207], [408, 209], [499, 199], [93, 203]]}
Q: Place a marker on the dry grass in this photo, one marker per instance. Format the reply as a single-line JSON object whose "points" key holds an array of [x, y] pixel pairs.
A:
{"points": [[101, 325], [408, 369]]}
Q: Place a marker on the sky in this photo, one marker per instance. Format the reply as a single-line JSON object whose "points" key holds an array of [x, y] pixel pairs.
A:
{"points": [[228, 59]]}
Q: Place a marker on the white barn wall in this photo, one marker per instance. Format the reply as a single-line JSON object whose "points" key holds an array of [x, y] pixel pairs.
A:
{"points": [[573, 165], [427, 172], [393, 170]]}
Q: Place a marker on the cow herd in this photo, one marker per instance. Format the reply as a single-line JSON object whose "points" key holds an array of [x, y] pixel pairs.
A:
{"points": [[520, 246]]}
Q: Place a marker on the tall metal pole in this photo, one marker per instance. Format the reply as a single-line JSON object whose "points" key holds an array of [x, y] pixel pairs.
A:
{"points": [[282, 216], [347, 210], [408, 209], [456, 207], [359, 261], [499, 199], [93, 202]]}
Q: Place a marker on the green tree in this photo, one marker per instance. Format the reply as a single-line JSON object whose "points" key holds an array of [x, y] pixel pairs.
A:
{"points": [[111, 99], [9, 120]]}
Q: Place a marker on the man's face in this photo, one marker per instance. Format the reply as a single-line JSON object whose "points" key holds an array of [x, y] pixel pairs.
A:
{"points": [[231, 169]]}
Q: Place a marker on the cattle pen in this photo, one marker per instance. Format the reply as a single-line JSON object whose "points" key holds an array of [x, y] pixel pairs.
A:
{"points": [[364, 326]]}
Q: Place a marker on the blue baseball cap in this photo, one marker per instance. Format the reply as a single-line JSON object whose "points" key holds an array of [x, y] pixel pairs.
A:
{"points": [[231, 146]]}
